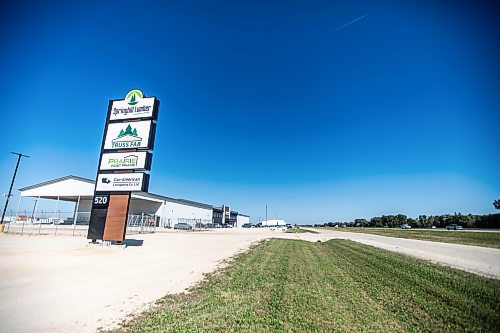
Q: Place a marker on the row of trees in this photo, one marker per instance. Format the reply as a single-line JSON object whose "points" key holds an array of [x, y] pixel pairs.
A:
{"points": [[424, 221]]}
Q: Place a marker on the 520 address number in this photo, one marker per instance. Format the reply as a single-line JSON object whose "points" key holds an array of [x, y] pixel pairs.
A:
{"points": [[101, 200]]}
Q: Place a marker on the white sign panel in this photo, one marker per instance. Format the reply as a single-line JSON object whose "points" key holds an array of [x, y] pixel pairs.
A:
{"points": [[120, 182], [124, 110], [128, 135], [123, 161]]}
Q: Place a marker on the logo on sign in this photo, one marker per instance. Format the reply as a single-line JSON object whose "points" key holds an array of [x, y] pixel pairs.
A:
{"points": [[135, 105], [127, 161], [127, 138], [133, 97], [120, 182]]}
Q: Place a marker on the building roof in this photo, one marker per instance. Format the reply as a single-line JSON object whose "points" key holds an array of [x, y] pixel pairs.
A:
{"points": [[57, 180], [193, 203], [180, 201]]}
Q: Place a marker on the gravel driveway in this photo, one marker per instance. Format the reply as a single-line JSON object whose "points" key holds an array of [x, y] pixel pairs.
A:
{"points": [[475, 259]]}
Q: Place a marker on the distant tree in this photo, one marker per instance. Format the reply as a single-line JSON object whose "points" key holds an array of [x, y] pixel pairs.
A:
{"points": [[422, 221], [496, 203], [376, 222], [360, 222], [401, 219]]}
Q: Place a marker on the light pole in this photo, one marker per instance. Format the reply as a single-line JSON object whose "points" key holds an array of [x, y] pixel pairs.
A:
{"points": [[19, 156]]}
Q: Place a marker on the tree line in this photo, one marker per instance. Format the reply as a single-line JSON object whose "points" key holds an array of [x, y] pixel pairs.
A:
{"points": [[423, 221]]}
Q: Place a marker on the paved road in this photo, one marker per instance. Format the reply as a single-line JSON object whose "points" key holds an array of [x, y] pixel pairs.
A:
{"points": [[479, 260]]}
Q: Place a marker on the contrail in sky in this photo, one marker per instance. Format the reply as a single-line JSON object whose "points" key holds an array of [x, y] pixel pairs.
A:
{"points": [[347, 24]]}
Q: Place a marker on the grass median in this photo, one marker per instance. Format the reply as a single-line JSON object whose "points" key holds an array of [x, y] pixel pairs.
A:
{"points": [[337, 286], [484, 238], [300, 231]]}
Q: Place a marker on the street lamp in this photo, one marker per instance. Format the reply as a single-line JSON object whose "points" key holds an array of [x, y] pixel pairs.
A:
{"points": [[19, 156]]}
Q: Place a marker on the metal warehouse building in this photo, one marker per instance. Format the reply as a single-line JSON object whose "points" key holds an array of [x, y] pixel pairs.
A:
{"points": [[163, 211]]}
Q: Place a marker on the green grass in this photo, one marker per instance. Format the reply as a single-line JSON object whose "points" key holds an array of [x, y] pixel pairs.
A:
{"points": [[300, 231], [337, 286], [484, 239]]}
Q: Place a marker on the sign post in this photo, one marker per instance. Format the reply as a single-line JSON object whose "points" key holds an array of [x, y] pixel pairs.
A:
{"points": [[124, 160]]}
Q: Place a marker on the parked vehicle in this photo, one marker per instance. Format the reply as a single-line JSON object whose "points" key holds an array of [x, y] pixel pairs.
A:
{"points": [[454, 227], [247, 225], [405, 226], [182, 226]]}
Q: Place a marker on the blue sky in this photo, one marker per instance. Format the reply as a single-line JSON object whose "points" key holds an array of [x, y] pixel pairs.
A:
{"points": [[323, 111]]}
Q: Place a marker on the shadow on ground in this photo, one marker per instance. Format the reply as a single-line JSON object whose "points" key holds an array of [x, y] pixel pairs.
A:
{"points": [[133, 242]]}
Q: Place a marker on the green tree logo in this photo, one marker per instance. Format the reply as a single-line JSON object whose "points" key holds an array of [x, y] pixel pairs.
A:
{"points": [[133, 97], [128, 131]]}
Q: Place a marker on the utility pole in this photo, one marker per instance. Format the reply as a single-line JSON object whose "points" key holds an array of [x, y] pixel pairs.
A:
{"points": [[266, 213], [19, 156]]}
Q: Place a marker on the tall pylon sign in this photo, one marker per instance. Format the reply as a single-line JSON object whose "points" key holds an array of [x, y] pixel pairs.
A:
{"points": [[124, 163]]}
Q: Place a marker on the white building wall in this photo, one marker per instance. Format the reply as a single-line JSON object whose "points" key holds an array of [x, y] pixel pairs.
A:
{"points": [[172, 211], [242, 219]]}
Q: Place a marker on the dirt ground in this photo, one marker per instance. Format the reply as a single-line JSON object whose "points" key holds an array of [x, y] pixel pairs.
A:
{"points": [[62, 284]]}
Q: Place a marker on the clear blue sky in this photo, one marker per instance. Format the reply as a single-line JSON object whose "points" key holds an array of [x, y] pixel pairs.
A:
{"points": [[324, 111]]}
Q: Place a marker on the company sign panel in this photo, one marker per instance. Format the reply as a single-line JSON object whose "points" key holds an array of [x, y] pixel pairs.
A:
{"points": [[126, 161], [138, 108], [121, 182], [128, 135]]}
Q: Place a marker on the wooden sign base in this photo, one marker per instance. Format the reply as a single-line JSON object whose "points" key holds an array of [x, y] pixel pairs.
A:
{"points": [[116, 218]]}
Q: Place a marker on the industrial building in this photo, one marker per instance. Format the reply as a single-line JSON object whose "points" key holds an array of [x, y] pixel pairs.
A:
{"points": [[166, 211], [232, 218]]}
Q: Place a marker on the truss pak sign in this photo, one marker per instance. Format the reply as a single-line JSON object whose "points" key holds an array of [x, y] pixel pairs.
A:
{"points": [[121, 182], [129, 135], [126, 161], [134, 106]]}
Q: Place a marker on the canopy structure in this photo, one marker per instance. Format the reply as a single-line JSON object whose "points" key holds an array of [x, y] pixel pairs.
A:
{"points": [[69, 188]]}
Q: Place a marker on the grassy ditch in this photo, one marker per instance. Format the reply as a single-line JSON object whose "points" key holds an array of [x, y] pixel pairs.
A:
{"points": [[484, 239], [336, 286], [300, 231]]}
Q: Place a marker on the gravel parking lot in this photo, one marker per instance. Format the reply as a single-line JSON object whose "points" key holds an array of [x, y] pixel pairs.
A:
{"points": [[62, 284]]}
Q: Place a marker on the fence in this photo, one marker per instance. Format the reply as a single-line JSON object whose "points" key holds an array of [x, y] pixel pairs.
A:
{"points": [[186, 224], [68, 223], [143, 223]]}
